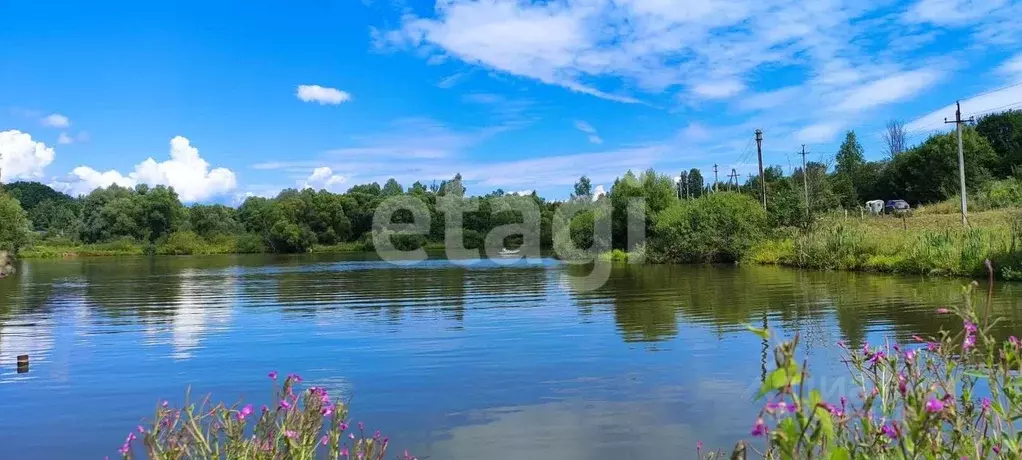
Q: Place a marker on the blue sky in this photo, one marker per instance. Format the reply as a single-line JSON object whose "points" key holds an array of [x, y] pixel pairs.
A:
{"points": [[224, 100]]}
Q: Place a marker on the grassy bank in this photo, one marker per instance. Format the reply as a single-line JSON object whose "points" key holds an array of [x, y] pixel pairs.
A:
{"points": [[925, 243]]}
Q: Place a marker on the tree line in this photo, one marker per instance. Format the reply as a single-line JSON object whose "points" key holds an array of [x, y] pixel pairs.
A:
{"points": [[298, 220]]}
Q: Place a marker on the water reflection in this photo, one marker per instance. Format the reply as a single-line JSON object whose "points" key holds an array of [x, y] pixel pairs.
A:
{"points": [[455, 361]]}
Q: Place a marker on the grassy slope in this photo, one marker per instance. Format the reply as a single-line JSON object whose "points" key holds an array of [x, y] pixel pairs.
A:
{"points": [[927, 243]]}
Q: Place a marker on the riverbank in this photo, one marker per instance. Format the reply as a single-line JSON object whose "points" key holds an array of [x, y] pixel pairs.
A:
{"points": [[925, 243]]}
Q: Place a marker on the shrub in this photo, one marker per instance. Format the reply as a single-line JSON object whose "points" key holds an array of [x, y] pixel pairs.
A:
{"points": [[719, 227], [299, 425], [181, 243], [249, 243]]}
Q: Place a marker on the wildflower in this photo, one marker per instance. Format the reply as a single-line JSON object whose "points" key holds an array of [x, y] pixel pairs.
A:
{"points": [[918, 339], [970, 341], [165, 403], [890, 430], [832, 409], [932, 346], [141, 430], [295, 377], [361, 426], [291, 434], [969, 327], [344, 426], [265, 409], [245, 412], [1013, 341], [286, 405], [351, 435], [934, 405], [902, 387], [759, 429], [985, 403], [699, 447], [272, 375], [324, 440], [942, 311], [376, 435], [910, 355], [344, 451], [327, 411], [997, 449], [877, 357], [780, 406]]}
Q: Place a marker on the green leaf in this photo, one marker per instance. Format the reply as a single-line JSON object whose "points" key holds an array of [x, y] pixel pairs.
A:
{"points": [[776, 380], [840, 453], [976, 374], [762, 333]]}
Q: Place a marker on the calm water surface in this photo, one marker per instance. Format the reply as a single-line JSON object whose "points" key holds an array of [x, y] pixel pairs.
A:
{"points": [[452, 362]]}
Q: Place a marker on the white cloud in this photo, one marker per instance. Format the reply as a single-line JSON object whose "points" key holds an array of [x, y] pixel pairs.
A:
{"points": [[65, 139], [721, 89], [769, 99], [21, 157], [890, 89], [1012, 67], [523, 192], [695, 132], [56, 120], [598, 192], [186, 171], [323, 178], [593, 136], [817, 133], [322, 95]]}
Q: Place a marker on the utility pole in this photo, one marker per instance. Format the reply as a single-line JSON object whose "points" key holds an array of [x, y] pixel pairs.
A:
{"points": [[759, 153], [733, 177], [961, 158], [805, 177], [715, 178]]}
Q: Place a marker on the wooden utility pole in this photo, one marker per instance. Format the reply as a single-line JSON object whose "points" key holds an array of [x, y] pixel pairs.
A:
{"points": [[759, 153], [961, 159], [805, 177], [715, 178]]}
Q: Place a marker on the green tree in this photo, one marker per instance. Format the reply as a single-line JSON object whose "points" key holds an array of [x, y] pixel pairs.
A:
{"points": [[695, 183], [848, 171], [213, 220], [162, 211], [14, 224], [929, 172], [392, 188], [719, 227], [1004, 132], [583, 188]]}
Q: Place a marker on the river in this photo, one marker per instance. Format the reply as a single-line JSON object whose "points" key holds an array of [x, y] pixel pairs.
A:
{"points": [[452, 362]]}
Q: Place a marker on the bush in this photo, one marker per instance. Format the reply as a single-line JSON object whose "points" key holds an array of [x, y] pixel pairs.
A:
{"points": [[299, 425], [181, 243], [14, 225], [249, 243], [719, 227]]}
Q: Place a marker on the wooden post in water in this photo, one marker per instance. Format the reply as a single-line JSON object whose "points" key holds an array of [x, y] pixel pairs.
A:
{"points": [[22, 364]]}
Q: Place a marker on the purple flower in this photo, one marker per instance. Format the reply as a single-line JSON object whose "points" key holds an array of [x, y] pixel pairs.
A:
{"points": [[361, 426], [759, 429], [327, 411], [344, 451], [879, 355], [140, 429], [780, 406], [890, 430], [1014, 341], [971, 328], [997, 449], [831, 408], [351, 435], [324, 440], [245, 412], [165, 403], [344, 426], [699, 447], [376, 435], [272, 375], [286, 405], [970, 341], [985, 403], [295, 377], [932, 346], [901, 384], [934, 405], [910, 355], [265, 409], [291, 434]]}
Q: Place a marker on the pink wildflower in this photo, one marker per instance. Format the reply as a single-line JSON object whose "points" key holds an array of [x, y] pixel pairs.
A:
{"points": [[699, 447], [344, 451], [324, 440], [141, 430], [1013, 341], [291, 434], [971, 328], [295, 377], [942, 311], [934, 405], [932, 346], [910, 355], [327, 411], [272, 375], [970, 341], [286, 405], [985, 403], [759, 429], [245, 412], [890, 430]]}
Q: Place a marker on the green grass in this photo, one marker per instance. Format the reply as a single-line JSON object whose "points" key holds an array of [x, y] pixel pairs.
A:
{"points": [[925, 243]]}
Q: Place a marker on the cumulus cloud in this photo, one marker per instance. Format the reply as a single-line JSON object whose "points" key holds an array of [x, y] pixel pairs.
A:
{"points": [[65, 139], [598, 192], [186, 171], [322, 95], [323, 178], [21, 157], [56, 120]]}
